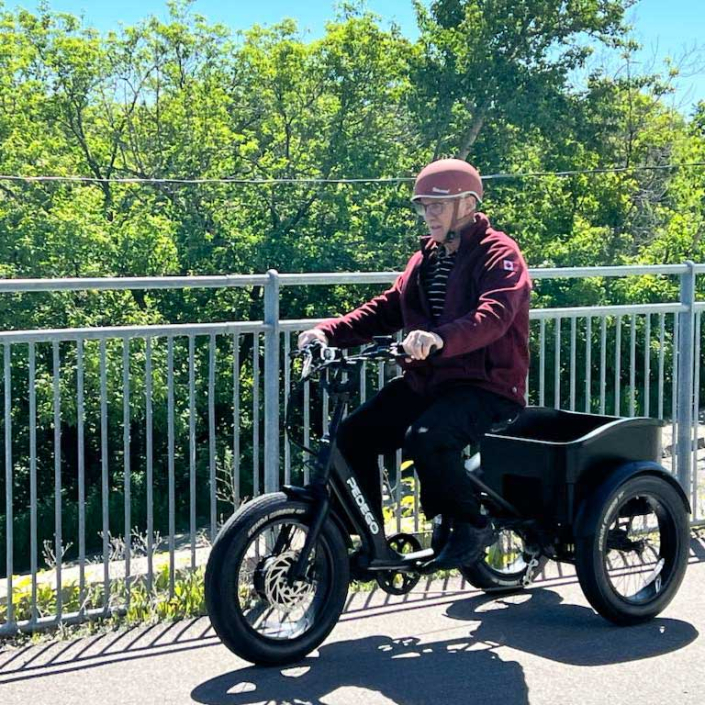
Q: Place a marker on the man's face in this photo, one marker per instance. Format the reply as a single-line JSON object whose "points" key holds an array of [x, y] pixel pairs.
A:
{"points": [[438, 214]]}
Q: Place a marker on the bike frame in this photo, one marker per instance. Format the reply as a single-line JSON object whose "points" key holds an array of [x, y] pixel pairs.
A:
{"points": [[333, 489]]}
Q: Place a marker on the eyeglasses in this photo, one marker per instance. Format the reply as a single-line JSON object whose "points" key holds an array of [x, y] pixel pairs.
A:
{"points": [[438, 205], [435, 208]]}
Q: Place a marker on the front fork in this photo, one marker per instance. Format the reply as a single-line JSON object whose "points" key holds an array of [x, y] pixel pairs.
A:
{"points": [[317, 494]]}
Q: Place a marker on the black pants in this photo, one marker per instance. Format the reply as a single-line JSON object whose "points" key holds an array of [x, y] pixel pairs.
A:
{"points": [[432, 431]]}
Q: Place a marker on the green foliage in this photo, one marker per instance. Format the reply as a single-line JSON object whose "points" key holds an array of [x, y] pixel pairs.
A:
{"points": [[144, 605], [183, 98]]}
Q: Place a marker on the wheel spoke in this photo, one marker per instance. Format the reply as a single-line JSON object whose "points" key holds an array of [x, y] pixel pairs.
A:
{"points": [[507, 554], [272, 606], [632, 557]]}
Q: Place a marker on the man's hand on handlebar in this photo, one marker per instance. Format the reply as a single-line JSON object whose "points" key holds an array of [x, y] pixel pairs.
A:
{"points": [[316, 354], [419, 344], [310, 336]]}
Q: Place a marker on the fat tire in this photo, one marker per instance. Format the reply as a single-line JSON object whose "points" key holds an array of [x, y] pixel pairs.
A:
{"points": [[590, 564], [222, 570]]}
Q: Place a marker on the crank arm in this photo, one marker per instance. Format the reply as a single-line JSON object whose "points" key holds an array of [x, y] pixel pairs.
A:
{"points": [[409, 563]]}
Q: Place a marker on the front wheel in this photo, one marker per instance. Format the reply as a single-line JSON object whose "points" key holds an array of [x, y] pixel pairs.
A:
{"points": [[633, 558], [253, 608]]}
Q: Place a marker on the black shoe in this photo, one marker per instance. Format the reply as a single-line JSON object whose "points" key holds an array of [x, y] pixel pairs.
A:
{"points": [[441, 532], [465, 546]]}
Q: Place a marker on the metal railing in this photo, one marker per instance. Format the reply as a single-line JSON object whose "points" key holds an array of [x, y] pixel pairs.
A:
{"points": [[186, 443]]}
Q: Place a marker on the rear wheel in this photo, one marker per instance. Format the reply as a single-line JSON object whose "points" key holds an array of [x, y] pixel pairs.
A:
{"points": [[254, 609], [509, 564], [634, 556]]}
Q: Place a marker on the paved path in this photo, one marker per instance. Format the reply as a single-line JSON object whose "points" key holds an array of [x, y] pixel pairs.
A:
{"points": [[443, 643]]}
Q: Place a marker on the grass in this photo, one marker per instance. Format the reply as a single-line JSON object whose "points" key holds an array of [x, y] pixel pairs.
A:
{"points": [[145, 606]]}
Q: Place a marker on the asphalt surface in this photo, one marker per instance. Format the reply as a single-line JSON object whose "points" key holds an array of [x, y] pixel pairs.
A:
{"points": [[443, 643]]}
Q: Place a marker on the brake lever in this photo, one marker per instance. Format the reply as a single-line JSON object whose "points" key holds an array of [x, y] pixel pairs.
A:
{"points": [[397, 350], [307, 353], [306, 367], [319, 351], [389, 350]]}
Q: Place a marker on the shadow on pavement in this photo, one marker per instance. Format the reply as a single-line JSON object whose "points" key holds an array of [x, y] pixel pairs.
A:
{"points": [[537, 622], [411, 672], [92, 652], [402, 670]]}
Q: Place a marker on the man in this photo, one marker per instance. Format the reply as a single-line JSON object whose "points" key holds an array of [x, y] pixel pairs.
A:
{"points": [[465, 297]]}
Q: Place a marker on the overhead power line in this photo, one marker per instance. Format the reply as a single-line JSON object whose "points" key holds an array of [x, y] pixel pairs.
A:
{"points": [[314, 181]]}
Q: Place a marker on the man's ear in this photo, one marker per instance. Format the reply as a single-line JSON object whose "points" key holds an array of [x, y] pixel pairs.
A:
{"points": [[470, 205]]}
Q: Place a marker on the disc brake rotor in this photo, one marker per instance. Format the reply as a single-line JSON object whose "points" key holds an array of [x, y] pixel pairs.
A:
{"points": [[272, 584]]}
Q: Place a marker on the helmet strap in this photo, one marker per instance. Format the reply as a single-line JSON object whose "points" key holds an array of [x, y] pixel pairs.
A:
{"points": [[452, 234]]}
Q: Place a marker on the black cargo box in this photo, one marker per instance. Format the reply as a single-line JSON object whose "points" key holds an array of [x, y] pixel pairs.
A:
{"points": [[545, 461]]}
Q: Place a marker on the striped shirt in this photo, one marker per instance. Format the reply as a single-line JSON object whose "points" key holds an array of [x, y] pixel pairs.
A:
{"points": [[434, 277]]}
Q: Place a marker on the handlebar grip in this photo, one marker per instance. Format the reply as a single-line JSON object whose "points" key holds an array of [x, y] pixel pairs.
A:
{"points": [[399, 350]]}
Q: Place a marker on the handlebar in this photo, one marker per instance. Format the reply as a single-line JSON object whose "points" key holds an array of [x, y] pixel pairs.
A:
{"points": [[317, 356]]}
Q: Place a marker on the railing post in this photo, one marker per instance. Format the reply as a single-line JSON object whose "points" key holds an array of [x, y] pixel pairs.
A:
{"points": [[685, 378], [271, 382]]}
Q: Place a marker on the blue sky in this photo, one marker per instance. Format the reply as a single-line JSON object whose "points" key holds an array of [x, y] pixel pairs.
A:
{"points": [[674, 28]]}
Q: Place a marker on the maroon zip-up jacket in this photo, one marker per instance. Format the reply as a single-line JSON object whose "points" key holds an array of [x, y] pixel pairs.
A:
{"points": [[485, 319]]}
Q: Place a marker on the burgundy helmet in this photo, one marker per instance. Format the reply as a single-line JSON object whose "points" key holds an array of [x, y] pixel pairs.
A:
{"points": [[448, 178]]}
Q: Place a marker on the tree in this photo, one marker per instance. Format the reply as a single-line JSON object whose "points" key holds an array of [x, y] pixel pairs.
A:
{"points": [[481, 61]]}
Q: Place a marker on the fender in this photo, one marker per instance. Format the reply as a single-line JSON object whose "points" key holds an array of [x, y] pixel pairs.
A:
{"points": [[592, 505], [304, 494]]}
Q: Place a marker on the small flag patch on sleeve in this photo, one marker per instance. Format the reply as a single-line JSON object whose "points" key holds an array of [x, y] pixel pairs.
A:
{"points": [[509, 265]]}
